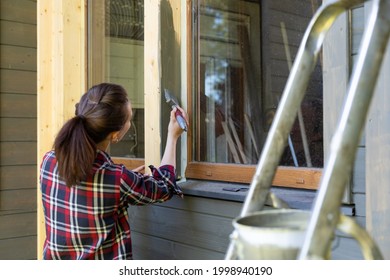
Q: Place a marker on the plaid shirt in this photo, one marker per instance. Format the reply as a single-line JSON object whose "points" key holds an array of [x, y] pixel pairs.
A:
{"points": [[89, 221]]}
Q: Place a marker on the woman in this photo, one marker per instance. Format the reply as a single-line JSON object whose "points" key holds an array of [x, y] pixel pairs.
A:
{"points": [[85, 195]]}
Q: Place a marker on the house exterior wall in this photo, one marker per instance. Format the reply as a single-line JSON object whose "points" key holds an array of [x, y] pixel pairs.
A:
{"points": [[18, 129], [197, 227], [186, 229]]}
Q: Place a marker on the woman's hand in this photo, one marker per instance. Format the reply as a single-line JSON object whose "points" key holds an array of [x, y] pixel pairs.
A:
{"points": [[174, 128]]}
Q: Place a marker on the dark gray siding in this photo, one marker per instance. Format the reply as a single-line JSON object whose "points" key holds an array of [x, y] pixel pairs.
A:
{"points": [[18, 133]]}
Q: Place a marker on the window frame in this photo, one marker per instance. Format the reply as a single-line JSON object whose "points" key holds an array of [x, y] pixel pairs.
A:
{"points": [[292, 177], [95, 64]]}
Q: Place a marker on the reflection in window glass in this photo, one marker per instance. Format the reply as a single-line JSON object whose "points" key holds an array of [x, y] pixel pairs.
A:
{"points": [[242, 55], [120, 59]]}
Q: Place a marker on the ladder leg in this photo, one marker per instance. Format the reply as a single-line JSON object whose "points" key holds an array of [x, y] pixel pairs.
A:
{"points": [[325, 215], [290, 103]]}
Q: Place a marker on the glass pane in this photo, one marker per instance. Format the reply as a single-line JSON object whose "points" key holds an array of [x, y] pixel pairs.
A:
{"points": [[116, 44], [243, 51]]}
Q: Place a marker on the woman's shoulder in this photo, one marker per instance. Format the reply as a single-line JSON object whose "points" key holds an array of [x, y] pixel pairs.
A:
{"points": [[49, 155], [49, 159]]}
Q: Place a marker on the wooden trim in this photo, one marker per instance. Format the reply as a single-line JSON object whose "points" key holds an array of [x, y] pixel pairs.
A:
{"points": [[293, 177], [303, 178], [188, 41], [61, 75], [152, 82]]}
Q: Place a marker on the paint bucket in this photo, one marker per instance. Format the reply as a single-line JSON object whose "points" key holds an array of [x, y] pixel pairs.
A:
{"points": [[271, 234]]}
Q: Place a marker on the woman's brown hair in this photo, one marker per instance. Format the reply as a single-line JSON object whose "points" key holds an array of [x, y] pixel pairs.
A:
{"points": [[102, 109]]}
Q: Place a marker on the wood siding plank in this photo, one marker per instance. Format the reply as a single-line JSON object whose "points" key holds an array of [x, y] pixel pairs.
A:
{"points": [[146, 247], [19, 11], [18, 129], [18, 34], [18, 177], [203, 230], [18, 225], [18, 200], [18, 106], [23, 248], [18, 58], [16, 81], [205, 206], [18, 153]]}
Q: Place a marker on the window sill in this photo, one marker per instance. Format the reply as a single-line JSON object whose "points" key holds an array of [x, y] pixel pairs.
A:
{"points": [[295, 198]]}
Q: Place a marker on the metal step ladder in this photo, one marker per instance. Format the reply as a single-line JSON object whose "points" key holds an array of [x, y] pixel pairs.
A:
{"points": [[315, 229]]}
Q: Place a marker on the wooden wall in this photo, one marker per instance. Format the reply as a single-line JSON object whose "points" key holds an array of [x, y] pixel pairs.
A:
{"points": [[193, 228], [198, 228], [18, 129], [190, 228]]}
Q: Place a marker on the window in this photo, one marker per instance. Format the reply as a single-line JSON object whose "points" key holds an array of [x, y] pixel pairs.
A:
{"points": [[116, 54], [241, 55]]}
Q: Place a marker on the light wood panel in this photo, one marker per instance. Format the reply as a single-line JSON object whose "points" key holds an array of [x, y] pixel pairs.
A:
{"points": [[61, 73], [152, 82]]}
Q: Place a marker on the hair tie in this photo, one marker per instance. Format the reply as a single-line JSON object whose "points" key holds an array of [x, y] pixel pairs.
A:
{"points": [[81, 117]]}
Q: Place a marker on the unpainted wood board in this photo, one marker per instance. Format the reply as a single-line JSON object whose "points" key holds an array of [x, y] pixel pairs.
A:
{"points": [[15, 81], [152, 83], [19, 11], [18, 153], [23, 248], [204, 231], [18, 177], [18, 34], [146, 247], [18, 129], [17, 200], [18, 58], [18, 105], [18, 225]]}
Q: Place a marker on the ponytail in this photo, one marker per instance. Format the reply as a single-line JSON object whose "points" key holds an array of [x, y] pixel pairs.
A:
{"points": [[75, 151], [101, 110]]}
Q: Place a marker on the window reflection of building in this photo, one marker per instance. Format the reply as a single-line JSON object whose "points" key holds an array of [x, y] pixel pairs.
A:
{"points": [[124, 64], [244, 60]]}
